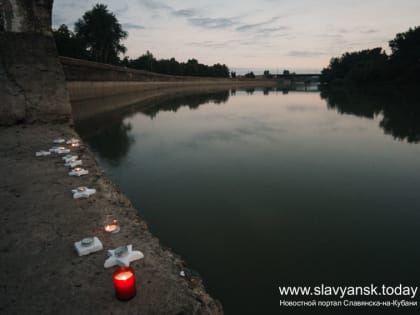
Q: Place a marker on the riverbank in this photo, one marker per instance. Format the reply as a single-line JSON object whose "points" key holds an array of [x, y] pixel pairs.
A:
{"points": [[41, 273]]}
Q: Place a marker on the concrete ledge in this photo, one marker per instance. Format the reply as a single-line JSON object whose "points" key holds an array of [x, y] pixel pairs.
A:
{"points": [[82, 90], [41, 273]]}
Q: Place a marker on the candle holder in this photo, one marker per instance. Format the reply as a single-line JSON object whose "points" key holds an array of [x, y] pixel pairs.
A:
{"points": [[88, 245], [87, 241], [124, 283], [111, 225]]}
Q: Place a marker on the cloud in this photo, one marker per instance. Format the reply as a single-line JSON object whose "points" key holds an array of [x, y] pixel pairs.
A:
{"points": [[192, 15], [269, 30], [133, 26], [213, 44], [304, 53], [246, 27], [155, 5], [184, 12], [352, 30], [207, 22], [369, 31]]}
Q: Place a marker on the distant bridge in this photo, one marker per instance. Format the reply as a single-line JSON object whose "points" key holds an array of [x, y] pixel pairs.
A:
{"points": [[300, 77]]}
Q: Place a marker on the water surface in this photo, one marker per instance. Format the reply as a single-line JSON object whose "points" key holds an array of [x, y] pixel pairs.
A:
{"points": [[259, 189]]}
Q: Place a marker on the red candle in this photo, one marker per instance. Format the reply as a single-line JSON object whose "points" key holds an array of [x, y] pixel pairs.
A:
{"points": [[124, 283]]}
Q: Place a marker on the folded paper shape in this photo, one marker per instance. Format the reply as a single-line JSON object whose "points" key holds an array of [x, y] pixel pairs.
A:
{"points": [[78, 172], [70, 158], [55, 149], [63, 151], [88, 245], [73, 140], [83, 192], [122, 256], [42, 153], [72, 164]]}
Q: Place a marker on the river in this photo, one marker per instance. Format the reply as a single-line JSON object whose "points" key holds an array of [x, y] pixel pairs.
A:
{"points": [[258, 189]]}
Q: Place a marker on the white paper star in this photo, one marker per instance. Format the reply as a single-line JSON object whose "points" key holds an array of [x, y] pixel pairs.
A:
{"points": [[63, 151], [59, 140], [83, 192], [122, 256], [70, 158], [42, 153], [78, 172], [55, 149], [72, 164], [72, 140]]}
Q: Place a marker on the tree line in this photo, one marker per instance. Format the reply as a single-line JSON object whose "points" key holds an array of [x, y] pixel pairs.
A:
{"points": [[98, 37], [171, 66], [376, 66]]}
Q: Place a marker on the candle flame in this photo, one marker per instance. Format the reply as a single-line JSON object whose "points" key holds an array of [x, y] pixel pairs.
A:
{"points": [[111, 227], [124, 275]]}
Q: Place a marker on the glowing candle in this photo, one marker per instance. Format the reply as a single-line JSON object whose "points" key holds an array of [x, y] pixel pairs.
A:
{"points": [[112, 227], [124, 283]]}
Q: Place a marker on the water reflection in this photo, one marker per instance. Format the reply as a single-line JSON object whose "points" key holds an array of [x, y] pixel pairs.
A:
{"points": [[400, 110], [112, 142], [250, 91], [191, 101], [109, 132], [270, 190]]}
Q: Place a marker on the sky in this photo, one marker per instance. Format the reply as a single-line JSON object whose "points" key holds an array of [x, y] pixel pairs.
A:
{"points": [[252, 35]]}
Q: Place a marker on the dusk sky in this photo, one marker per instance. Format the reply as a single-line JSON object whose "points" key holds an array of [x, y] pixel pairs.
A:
{"points": [[253, 35]]}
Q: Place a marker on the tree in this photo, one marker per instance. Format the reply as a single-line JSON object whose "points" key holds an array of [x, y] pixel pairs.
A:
{"points": [[267, 74], [250, 75], [171, 66], [375, 66], [101, 34], [357, 67], [405, 58], [144, 62], [192, 67], [68, 44], [406, 46]]}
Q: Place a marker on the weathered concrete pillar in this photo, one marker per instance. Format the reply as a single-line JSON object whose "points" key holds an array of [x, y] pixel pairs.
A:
{"points": [[32, 83]]}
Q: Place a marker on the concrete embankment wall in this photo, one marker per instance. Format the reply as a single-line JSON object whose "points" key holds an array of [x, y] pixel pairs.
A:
{"points": [[86, 80], [32, 83]]}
